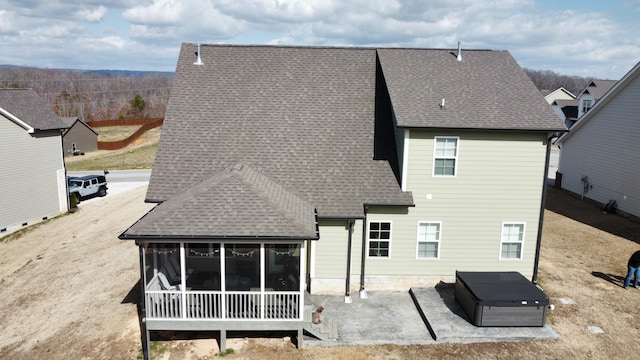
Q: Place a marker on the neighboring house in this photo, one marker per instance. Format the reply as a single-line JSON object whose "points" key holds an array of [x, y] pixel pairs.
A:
{"points": [[282, 170], [566, 110], [78, 137], [592, 93], [600, 155], [32, 181], [558, 94]]}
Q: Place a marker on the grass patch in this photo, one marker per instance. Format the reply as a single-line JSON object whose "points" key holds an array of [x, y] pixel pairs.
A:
{"points": [[115, 133], [229, 351], [137, 158]]}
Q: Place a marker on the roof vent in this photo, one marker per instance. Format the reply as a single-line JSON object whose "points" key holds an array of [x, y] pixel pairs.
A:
{"points": [[459, 57], [442, 107], [198, 59]]}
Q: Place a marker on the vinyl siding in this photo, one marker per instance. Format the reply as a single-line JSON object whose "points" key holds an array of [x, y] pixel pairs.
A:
{"points": [[331, 250], [606, 149], [499, 179], [31, 164], [85, 139]]}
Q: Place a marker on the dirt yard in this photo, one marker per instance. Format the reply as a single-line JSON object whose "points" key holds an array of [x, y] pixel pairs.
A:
{"points": [[69, 292]]}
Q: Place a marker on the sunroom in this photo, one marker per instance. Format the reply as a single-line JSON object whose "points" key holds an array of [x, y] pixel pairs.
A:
{"points": [[228, 254], [222, 281]]}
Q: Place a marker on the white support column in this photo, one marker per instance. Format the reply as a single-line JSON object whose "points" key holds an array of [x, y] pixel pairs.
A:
{"points": [[262, 281], [223, 284], [302, 282], [183, 282]]}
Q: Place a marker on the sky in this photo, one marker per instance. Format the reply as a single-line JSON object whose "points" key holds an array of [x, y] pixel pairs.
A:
{"points": [[590, 38]]}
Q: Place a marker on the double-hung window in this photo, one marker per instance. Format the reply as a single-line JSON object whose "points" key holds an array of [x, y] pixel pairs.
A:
{"points": [[586, 105], [445, 156], [511, 241], [379, 237], [429, 240]]}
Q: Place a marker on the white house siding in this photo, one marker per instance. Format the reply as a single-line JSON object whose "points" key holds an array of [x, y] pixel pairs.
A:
{"points": [[31, 184], [581, 100], [499, 179], [606, 149]]}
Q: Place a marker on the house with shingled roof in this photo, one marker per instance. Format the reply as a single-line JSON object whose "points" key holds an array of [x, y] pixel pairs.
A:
{"points": [[78, 137], [592, 93], [33, 181], [606, 171], [289, 170]]}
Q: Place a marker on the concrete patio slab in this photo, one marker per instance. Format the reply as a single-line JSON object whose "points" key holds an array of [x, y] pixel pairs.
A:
{"points": [[397, 318]]}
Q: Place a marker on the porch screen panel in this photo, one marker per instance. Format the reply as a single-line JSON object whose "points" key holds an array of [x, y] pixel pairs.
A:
{"points": [[242, 267], [203, 266], [282, 267]]}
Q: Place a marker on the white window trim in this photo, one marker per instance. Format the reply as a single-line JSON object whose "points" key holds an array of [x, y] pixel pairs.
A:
{"points": [[418, 240], [524, 231], [369, 240], [433, 165]]}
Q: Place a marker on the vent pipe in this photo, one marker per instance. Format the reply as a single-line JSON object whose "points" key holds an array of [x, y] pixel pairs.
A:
{"points": [[459, 57], [198, 59]]}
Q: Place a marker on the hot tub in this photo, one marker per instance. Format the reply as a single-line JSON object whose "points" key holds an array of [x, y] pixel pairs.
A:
{"points": [[500, 299]]}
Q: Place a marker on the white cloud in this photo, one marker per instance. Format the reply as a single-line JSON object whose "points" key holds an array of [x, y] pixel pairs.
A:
{"points": [[540, 34], [92, 15]]}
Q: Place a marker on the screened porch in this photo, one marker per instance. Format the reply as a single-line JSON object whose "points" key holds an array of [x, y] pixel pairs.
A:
{"points": [[224, 281]]}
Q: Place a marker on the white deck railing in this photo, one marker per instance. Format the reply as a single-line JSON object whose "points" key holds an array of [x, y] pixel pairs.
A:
{"points": [[216, 305]]}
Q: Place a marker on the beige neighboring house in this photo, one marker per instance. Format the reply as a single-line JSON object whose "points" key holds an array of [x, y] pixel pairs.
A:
{"points": [[591, 94], [33, 179], [78, 137], [286, 170], [558, 94], [600, 155]]}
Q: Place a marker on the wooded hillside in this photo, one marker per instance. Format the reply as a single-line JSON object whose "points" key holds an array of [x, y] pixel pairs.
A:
{"points": [[101, 95], [549, 80], [94, 95]]}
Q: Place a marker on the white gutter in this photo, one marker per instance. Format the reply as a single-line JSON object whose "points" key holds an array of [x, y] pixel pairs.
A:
{"points": [[19, 122]]}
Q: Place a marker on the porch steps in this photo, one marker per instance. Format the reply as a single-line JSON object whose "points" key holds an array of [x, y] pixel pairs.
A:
{"points": [[327, 330]]}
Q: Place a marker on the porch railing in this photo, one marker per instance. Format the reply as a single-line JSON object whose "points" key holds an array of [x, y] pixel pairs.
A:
{"points": [[216, 305]]}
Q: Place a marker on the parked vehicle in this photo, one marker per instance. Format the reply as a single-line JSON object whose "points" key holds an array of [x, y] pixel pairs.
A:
{"points": [[87, 186]]}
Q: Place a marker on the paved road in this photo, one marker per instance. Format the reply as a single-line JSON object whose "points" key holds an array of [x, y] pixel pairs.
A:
{"points": [[119, 181]]}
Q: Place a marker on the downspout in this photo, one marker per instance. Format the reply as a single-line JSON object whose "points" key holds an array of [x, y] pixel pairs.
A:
{"points": [[347, 291], [543, 200], [363, 292]]}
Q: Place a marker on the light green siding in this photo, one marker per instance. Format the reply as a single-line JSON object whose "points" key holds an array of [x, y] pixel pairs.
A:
{"points": [[499, 179], [331, 250], [30, 176]]}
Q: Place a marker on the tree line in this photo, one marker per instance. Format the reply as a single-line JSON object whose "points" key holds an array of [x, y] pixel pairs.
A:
{"points": [[94, 95], [102, 95], [549, 80]]}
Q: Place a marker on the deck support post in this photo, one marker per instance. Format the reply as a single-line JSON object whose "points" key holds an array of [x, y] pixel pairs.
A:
{"points": [[300, 338], [223, 340]]}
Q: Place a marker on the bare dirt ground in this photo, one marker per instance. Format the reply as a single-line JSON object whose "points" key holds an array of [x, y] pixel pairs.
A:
{"points": [[69, 292]]}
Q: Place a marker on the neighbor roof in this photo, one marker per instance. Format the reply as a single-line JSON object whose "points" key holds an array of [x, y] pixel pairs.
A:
{"points": [[487, 90], [26, 106], [597, 88], [301, 116], [568, 107], [69, 122], [238, 202]]}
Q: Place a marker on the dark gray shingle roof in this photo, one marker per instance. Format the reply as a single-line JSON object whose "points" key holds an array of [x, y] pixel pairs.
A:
{"points": [[238, 202], [486, 90], [303, 117], [31, 109]]}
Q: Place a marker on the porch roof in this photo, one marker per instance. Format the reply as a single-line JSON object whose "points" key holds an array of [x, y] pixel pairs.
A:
{"points": [[237, 203]]}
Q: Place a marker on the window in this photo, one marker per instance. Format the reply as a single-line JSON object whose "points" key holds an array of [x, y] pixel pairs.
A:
{"points": [[379, 239], [445, 156], [511, 241], [586, 105], [428, 240]]}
